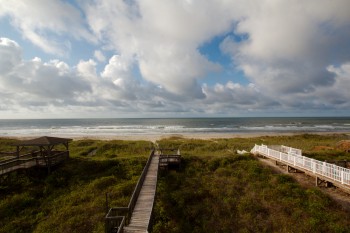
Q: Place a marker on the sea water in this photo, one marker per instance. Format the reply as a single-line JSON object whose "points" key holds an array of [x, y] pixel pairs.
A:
{"points": [[169, 126]]}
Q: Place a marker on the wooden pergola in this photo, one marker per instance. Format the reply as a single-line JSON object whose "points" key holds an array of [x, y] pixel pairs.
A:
{"points": [[46, 147]]}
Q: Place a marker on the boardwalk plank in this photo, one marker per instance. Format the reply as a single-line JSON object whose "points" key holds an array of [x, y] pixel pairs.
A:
{"points": [[143, 209]]}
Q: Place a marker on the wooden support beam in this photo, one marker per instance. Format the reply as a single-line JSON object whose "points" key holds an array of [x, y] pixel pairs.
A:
{"points": [[291, 169], [326, 183]]}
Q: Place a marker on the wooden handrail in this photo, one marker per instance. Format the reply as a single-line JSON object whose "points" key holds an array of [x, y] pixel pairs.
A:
{"points": [[114, 213], [113, 220], [138, 187], [30, 161], [14, 163], [28, 155]]}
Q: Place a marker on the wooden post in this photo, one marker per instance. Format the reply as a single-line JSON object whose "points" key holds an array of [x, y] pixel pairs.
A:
{"points": [[49, 159], [67, 148], [49, 166], [107, 205], [17, 152]]}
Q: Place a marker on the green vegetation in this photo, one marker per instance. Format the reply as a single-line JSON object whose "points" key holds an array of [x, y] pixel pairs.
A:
{"points": [[72, 197], [306, 142], [222, 191], [216, 190]]}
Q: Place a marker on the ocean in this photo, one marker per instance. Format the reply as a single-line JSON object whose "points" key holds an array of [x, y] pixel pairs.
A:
{"points": [[170, 126]]}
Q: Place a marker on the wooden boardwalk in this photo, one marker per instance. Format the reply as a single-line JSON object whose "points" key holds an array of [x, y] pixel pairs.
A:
{"points": [[141, 216], [137, 216], [325, 173], [45, 154], [14, 165], [26, 161]]}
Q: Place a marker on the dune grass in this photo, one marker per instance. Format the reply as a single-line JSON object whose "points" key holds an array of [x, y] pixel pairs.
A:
{"points": [[305, 142], [72, 197], [216, 190]]}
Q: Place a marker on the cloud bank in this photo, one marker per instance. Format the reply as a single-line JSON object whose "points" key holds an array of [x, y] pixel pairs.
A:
{"points": [[294, 55]]}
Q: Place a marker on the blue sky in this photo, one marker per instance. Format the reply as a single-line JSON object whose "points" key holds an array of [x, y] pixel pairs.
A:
{"points": [[185, 58]]}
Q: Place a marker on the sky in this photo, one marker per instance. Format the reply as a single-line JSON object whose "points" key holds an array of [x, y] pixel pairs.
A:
{"points": [[174, 58]]}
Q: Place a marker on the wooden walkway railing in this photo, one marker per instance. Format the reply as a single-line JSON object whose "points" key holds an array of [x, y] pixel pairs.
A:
{"points": [[338, 176], [141, 216], [172, 157], [28, 161], [138, 213]]}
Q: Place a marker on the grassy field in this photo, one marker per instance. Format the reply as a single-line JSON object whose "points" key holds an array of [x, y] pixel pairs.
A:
{"points": [[216, 190]]}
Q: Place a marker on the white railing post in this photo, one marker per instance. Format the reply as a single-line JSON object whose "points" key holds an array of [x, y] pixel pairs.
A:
{"points": [[313, 166], [342, 176], [294, 159], [280, 156]]}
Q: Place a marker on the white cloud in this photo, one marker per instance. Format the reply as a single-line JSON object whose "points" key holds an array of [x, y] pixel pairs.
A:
{"points": [[36, 82], [118, 67], [339, 94], [87, 69], [291, 44], [10, 55], [55, 88], [295, 54], [99, 56], [44, 23], [286, 46], [163, 37]]}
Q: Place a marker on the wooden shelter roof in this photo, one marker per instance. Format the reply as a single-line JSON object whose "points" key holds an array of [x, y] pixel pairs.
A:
{"points": [[43, 141]]}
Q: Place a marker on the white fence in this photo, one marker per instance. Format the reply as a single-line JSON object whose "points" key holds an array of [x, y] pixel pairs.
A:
{"points": [[294, 157]]}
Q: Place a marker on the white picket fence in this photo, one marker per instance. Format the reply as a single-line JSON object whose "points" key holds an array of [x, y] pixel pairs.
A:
{"points": [[294, 158]]}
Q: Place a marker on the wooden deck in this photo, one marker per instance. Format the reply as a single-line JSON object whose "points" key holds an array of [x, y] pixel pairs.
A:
{"points": [[141, 216], [169, 158]]}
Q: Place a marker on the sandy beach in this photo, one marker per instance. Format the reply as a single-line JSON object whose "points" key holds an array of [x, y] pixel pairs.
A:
{"points": [[156, 137]]}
